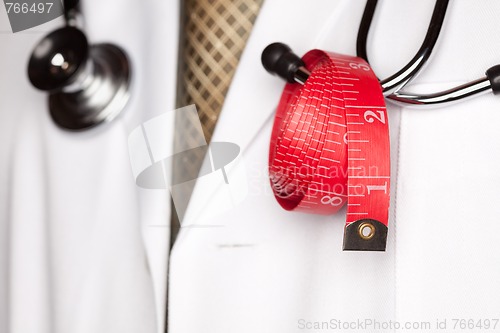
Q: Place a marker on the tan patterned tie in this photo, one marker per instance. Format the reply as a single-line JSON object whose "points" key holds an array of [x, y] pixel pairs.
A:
{"points": [[215, 33]]}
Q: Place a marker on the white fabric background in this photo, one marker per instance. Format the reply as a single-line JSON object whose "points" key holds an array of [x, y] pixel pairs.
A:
{"points": [[268, 268], [77, 250]]}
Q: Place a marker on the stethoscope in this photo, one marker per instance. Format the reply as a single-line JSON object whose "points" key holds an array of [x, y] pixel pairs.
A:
{"points": [[277, 58], [87, 84]]}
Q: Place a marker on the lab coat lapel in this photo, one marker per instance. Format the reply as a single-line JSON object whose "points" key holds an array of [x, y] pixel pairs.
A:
{"points": [[246, 110], [254, 94]]}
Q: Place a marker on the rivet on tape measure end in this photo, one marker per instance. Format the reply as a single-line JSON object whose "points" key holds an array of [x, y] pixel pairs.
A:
{"points": [[365, 235]]}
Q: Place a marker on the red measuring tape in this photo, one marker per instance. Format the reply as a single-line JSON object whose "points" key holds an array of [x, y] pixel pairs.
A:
{"points": [[330, 146]]}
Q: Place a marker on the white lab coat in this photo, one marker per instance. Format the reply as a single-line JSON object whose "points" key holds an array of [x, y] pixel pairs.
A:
{"points": [[81, 246], [269, 270]]}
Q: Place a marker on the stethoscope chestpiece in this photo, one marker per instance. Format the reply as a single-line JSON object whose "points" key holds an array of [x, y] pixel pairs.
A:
{"points": [[59, 59], [87, 84]]}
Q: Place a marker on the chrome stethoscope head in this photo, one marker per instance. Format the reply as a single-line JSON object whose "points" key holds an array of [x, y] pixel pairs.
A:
{"points": [[59, 59], [87, 84]]}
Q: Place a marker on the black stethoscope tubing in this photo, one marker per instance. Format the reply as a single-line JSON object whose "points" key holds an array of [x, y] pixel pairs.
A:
{"points": [[407, 73], [278, 59], [393, 84]]}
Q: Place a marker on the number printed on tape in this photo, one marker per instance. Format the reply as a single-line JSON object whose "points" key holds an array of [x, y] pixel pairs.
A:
{"points": [[370, 116]]}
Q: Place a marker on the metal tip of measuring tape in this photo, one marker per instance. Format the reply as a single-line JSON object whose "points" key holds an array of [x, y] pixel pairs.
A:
{"points": [[365, 235]]}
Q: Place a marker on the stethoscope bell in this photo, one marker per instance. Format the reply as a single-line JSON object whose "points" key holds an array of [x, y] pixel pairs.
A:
{"points": [[87, 85]]}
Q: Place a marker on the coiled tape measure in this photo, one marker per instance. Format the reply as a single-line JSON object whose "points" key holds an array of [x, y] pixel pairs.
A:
{"points": [[330, 145]]}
